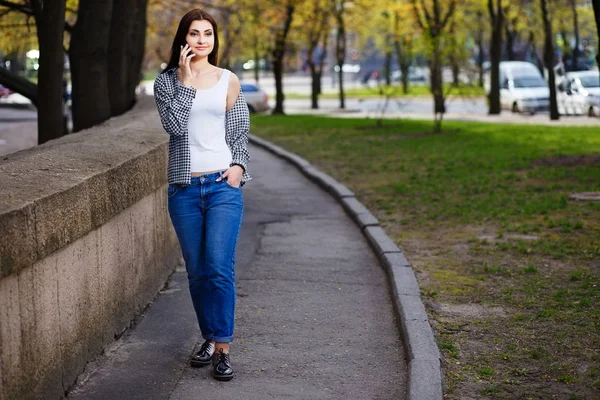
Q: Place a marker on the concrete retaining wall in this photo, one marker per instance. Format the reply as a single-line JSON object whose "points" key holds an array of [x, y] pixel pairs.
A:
{"points": [[85, 245]]}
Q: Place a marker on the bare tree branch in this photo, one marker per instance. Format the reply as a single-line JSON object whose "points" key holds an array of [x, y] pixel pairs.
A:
{"points": [[449, 14], [491, 11], [6, 12], [203, 4], [417, 14], [428, 19], [17, 7], [436, 14], [15, 25]]}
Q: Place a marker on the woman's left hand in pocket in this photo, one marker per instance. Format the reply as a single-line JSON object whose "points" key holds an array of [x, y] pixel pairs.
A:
{"points": [[233, 175]]}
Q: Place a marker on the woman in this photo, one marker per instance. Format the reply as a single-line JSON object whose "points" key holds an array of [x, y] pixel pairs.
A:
{"points": [[203, 110]]}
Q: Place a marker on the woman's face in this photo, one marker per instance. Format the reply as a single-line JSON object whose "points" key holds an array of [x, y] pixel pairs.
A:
{"points": [[201, 38]]}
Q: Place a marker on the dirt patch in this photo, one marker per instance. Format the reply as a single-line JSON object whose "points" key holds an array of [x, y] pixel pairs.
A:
{"points": [[411, 135], [376, 127], [585, 196], [471, 311], [509, 323], [506, 237], [574, 160]]}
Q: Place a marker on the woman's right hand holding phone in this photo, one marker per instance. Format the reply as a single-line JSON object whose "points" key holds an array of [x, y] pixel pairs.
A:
{"points": [[184, 72]]}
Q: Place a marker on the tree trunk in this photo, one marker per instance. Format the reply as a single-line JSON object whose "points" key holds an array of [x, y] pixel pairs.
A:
{"points": [[404, 70], [319, 78], [454, 63], [138, 39], [50, 21], [455, 72], [321, 64], [435, 67], [314, 94], [278, 74], [399, 54], [125, 52], [388, 60], [480, 55], [566, 49], [596, 5], [388, 66], [497, 18], [278, 54], [434, 27], [510, 44], [256, 13], [256, 61], [402, 53], [439, 101], [315, 35], [340, 50], [511, 35], [88, 59], [576, 29], [403, 64], [549, 59], [536, 58], [316, 68]]}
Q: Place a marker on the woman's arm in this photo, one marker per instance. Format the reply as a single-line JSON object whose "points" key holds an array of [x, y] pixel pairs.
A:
{"points": [[173, 103], [237, 128]]}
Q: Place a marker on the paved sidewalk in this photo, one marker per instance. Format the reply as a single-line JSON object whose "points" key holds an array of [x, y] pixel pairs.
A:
{"points": [[314, 317]]}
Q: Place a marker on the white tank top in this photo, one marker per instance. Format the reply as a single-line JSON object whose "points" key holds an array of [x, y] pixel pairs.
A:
{"points": [[206, 128]]}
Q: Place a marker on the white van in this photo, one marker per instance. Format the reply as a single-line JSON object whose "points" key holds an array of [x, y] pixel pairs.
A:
{"points": [[522, 87], [579, 93]]}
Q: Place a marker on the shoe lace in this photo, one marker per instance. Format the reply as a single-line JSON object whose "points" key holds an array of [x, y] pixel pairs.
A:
{"points": [[205, 346], [223, 357]]}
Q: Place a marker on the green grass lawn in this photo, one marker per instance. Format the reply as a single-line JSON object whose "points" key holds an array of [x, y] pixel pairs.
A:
{"points": [[508, 264], [415, 90]]}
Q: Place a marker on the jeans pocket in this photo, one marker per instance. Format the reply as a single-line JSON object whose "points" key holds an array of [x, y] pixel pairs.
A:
{"points": [[172, 190], [231, 186]]}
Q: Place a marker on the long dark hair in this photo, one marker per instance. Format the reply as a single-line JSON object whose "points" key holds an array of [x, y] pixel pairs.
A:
{"points": [[182, 31]]}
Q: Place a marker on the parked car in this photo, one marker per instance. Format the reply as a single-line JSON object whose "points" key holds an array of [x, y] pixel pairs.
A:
{"points": [[522, 87], [11, 98], [4, 91], [414, 75], [257, 99], [579, 93]]}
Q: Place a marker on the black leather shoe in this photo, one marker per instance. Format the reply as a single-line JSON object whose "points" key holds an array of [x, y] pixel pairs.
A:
{"points": [[204, 355], [222, 370]]}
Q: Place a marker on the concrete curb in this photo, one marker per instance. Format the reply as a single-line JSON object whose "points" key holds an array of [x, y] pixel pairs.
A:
{"points": [[424, 360]]}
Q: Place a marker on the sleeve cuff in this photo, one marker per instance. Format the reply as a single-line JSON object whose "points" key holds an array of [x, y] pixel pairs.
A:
{"points": [[185, 91], [238, 163]]}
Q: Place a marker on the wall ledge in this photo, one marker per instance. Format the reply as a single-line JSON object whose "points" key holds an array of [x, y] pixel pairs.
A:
{"points": [[57, 192]]}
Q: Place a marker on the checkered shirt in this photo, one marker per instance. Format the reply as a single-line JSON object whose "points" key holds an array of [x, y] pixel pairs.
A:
{"points": [[174, 103]]}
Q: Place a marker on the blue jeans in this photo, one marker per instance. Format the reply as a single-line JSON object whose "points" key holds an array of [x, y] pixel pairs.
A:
{"points": [[207, 216]]}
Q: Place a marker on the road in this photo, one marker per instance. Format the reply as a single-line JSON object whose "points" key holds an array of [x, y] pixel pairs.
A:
{"points": [[18, 128], [458, 109], [419, 105]]}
